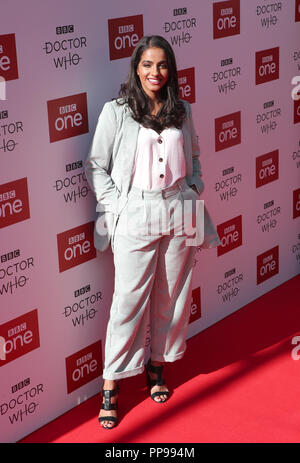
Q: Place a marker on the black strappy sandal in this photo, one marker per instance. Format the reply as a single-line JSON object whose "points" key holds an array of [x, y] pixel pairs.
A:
{"points": [[107, 405], [159, 381]]}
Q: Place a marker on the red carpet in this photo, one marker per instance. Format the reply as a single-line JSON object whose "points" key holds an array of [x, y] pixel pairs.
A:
{"points": [[237, 383]]}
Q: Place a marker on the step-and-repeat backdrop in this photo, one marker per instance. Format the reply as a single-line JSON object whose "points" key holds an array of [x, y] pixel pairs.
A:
{"points": [[60, 61]]}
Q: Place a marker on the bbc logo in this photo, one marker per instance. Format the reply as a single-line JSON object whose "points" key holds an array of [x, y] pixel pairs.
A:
{"points": [[64, 29]]}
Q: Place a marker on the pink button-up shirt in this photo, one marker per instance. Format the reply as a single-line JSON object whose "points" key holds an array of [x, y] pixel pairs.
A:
{"points": [[159, 159]]}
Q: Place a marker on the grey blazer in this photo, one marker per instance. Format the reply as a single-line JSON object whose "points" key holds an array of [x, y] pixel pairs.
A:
{"points": [[109, 165]]}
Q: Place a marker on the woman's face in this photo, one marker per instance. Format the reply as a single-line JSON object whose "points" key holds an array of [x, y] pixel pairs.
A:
{"points": [[153, 71]]}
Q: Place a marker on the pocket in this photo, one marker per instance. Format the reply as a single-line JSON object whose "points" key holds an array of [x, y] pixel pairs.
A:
{"points": [[104, 224], [199, 186], [116, 222], [189, 193]]}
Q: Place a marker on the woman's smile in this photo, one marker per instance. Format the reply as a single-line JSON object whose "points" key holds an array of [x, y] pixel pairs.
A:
{"points": [[154, 81]]}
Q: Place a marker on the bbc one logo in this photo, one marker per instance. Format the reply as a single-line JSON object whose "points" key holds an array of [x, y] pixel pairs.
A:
{"points": [[8, 57], [226, 18], [227, 131], [297, 109], [267, 168], [124, 34], [67, 117], [267, 65], [186, 82], [14, 202], [297, 10], [75, 246], [195, 313], [267, 264], [84, 366], [230, 233], [18, 337], [296, 203]]}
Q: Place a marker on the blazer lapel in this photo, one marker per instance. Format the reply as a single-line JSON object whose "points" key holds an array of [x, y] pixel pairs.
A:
{"points": [[129, 143], [186, 145]]}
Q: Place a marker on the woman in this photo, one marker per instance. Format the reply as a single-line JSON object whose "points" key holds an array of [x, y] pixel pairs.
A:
{"points": [[144, 164]]}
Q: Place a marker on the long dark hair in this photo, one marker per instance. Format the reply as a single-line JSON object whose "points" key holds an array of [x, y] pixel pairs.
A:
{"points": [[172, 112]]}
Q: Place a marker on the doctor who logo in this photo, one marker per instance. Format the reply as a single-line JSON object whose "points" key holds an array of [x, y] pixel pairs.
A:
{"points": [[67, 117], [8, 57], [124, 34]]}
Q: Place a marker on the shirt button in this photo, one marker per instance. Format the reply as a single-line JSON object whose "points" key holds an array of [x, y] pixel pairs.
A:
{"points": [[160, 159], [161, 175], [159, 140]]}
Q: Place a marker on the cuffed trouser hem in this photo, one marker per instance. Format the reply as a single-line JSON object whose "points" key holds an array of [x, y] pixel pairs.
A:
{"points": [[122, 374], [166, 358]]}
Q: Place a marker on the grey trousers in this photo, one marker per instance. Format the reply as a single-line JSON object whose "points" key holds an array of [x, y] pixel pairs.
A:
{"points": [[153, 274]]}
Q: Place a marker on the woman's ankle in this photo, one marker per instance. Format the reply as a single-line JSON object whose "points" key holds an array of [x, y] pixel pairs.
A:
{"points": [[155, 363], [109, 384]]}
